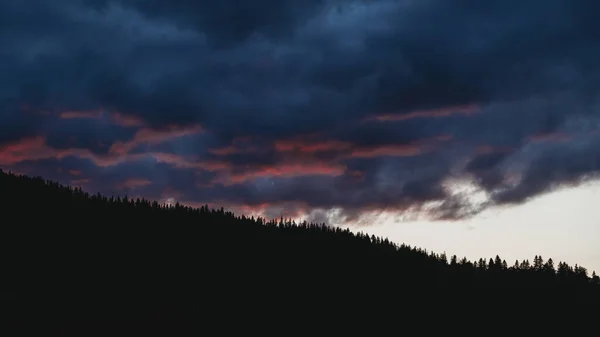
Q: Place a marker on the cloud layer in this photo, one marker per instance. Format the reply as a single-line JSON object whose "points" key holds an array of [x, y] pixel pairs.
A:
{"points": [[325, 109]]}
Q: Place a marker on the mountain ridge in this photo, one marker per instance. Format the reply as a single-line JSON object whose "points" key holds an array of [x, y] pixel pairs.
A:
{"points": [[70, 253]]}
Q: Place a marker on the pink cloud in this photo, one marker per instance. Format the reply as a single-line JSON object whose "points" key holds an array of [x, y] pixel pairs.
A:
{"points": [[94, 114], [150, 136], [466, 110]]}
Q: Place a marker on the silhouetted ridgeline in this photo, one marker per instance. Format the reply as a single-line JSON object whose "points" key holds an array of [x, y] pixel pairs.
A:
{"points": [[65, 252]]}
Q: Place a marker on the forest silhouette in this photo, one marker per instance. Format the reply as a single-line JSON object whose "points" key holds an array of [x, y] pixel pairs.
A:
{"points": [[70, 254]]}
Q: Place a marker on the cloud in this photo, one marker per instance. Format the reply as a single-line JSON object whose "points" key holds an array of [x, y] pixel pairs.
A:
{"points": [[287, 170], [80, 114], [134, 183], [149, 136], [390, 150], [330, 109], [436, 113]]}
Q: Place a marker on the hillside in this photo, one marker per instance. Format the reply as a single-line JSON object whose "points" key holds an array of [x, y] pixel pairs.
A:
{"points": [[67, 253]]}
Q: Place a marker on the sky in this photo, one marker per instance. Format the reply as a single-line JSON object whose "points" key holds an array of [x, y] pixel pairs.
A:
{"points": [[460, 125]]}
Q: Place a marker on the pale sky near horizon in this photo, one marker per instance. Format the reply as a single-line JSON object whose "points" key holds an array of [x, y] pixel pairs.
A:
{"points": [[563, 225]]}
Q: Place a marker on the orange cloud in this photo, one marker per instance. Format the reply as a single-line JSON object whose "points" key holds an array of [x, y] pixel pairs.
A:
{"points": [[467, 110], [150, 136], [311, 147], [134, 183], [298, 148], [117, 118], [225, 151], [283, 171], [27, 149], [291, 166], [74, 172], [127, 120], [37, 149], [81, 114], [348, 150], [402, 150]]}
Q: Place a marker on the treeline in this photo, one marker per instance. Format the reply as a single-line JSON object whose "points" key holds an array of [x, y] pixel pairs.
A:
{"points": [[64, 250]]}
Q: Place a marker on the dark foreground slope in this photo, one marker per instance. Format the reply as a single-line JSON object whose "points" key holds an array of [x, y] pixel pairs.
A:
{"points": [[70, 256]]}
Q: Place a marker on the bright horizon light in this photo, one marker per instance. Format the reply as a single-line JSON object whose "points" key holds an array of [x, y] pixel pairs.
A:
{"points": [[563, 225]]}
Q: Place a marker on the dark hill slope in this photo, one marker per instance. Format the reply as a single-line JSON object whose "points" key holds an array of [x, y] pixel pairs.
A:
{"points": [[70, 255]]}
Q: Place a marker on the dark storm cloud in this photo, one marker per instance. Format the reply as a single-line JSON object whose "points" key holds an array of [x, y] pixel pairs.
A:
{"points": [[232, 21], [16, 123], [565, 164], [298, 104], [85, 133]]}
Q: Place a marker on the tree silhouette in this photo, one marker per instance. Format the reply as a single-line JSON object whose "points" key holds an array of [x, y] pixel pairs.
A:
{"points": [[68, 253]]}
